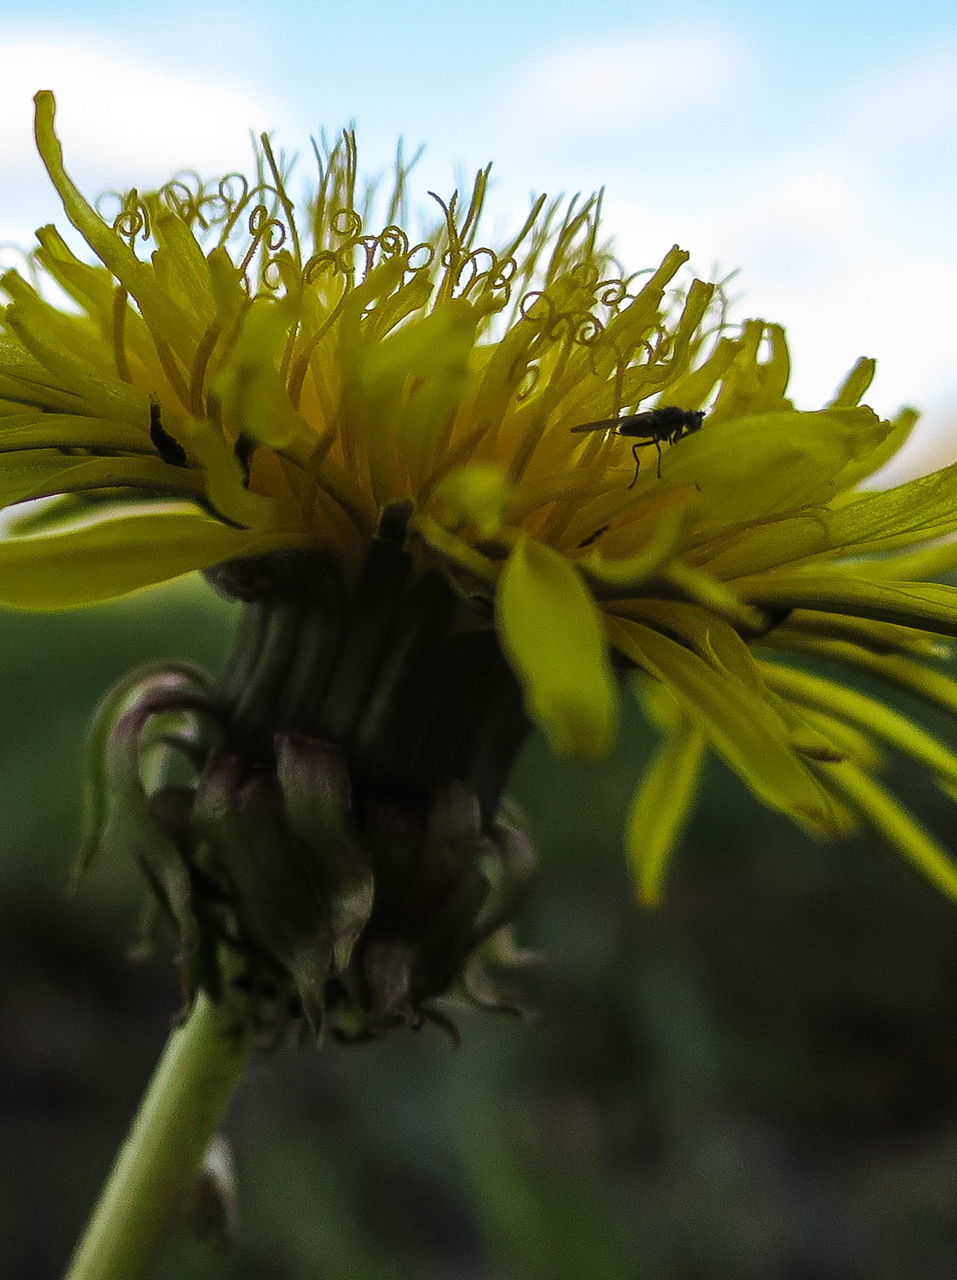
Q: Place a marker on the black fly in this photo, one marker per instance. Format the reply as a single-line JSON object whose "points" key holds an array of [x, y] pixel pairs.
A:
{"points": [[656, 426], [170, 450]]}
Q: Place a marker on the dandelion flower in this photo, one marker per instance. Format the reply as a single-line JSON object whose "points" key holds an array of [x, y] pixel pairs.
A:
{"points": [[374, 441]]}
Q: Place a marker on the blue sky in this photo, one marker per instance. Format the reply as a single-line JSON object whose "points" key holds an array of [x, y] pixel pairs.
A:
{"points": [[811, 146]]}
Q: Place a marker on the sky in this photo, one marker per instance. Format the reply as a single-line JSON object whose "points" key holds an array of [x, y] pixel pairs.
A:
{"points": [[811, 148]]}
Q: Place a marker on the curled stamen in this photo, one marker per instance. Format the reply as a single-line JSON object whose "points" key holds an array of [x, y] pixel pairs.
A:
{"points": [[368, 245], [575, 325], [585, 275], [533, 302], [393, 241], [456, 251], [469, 266], [612, 293], [279, 171], [231, 204], [336, 261], [494, 279], [133, 219], [271, 276], [346, 223], [268, 234], [421, 256], [185, 195], [269, 230], [586, 328]]}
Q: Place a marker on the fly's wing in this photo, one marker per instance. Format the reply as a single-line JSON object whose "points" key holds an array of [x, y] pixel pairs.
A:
{"points": [[638, 425], [609, 424]]}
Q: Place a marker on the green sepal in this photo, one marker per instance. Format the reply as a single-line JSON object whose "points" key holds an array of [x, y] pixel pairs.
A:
{"points": [[240, 813], [317, 794], [510, 866], [97, 773], [121, 813]]}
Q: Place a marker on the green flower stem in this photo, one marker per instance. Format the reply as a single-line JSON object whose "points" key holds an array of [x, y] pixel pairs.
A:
{"points": [[186, 1099]]}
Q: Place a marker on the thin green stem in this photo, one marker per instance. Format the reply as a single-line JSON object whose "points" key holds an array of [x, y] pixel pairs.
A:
{"points": [[184, 1104]]}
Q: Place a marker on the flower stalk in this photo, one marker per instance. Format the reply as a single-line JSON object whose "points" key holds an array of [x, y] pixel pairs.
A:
{"points": [[181, 1111]]}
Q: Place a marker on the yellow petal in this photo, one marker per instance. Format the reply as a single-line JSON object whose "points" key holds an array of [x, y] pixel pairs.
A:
{"points": [[476, 495], [737, 550], [41, 473], [898, 826], [751, 467], [918, 511], [626, 574], [868, 713], [660, 808], [806, 629], [36, 430], [249, 385], [103, 558], [172, 323], [934, 687], [854, 387], [928, 606], [551, 633], [741, 726], [722, 648]]}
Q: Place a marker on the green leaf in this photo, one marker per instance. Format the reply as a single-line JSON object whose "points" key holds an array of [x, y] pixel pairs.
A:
{"points": [[551, 633]]}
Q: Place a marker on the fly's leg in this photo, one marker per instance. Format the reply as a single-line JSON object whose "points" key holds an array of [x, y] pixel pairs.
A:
{"points": [[634, 454]]}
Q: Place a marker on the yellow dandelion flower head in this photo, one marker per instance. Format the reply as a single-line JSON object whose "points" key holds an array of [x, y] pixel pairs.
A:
{"points": [[604, 468]]}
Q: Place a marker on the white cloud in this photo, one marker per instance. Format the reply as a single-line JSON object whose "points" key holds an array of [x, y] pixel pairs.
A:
{"points": [[615, 81], [915, 97], [123, 115]]}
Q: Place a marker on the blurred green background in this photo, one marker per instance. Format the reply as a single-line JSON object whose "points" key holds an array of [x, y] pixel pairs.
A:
{"points": [[758, 1080]]}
